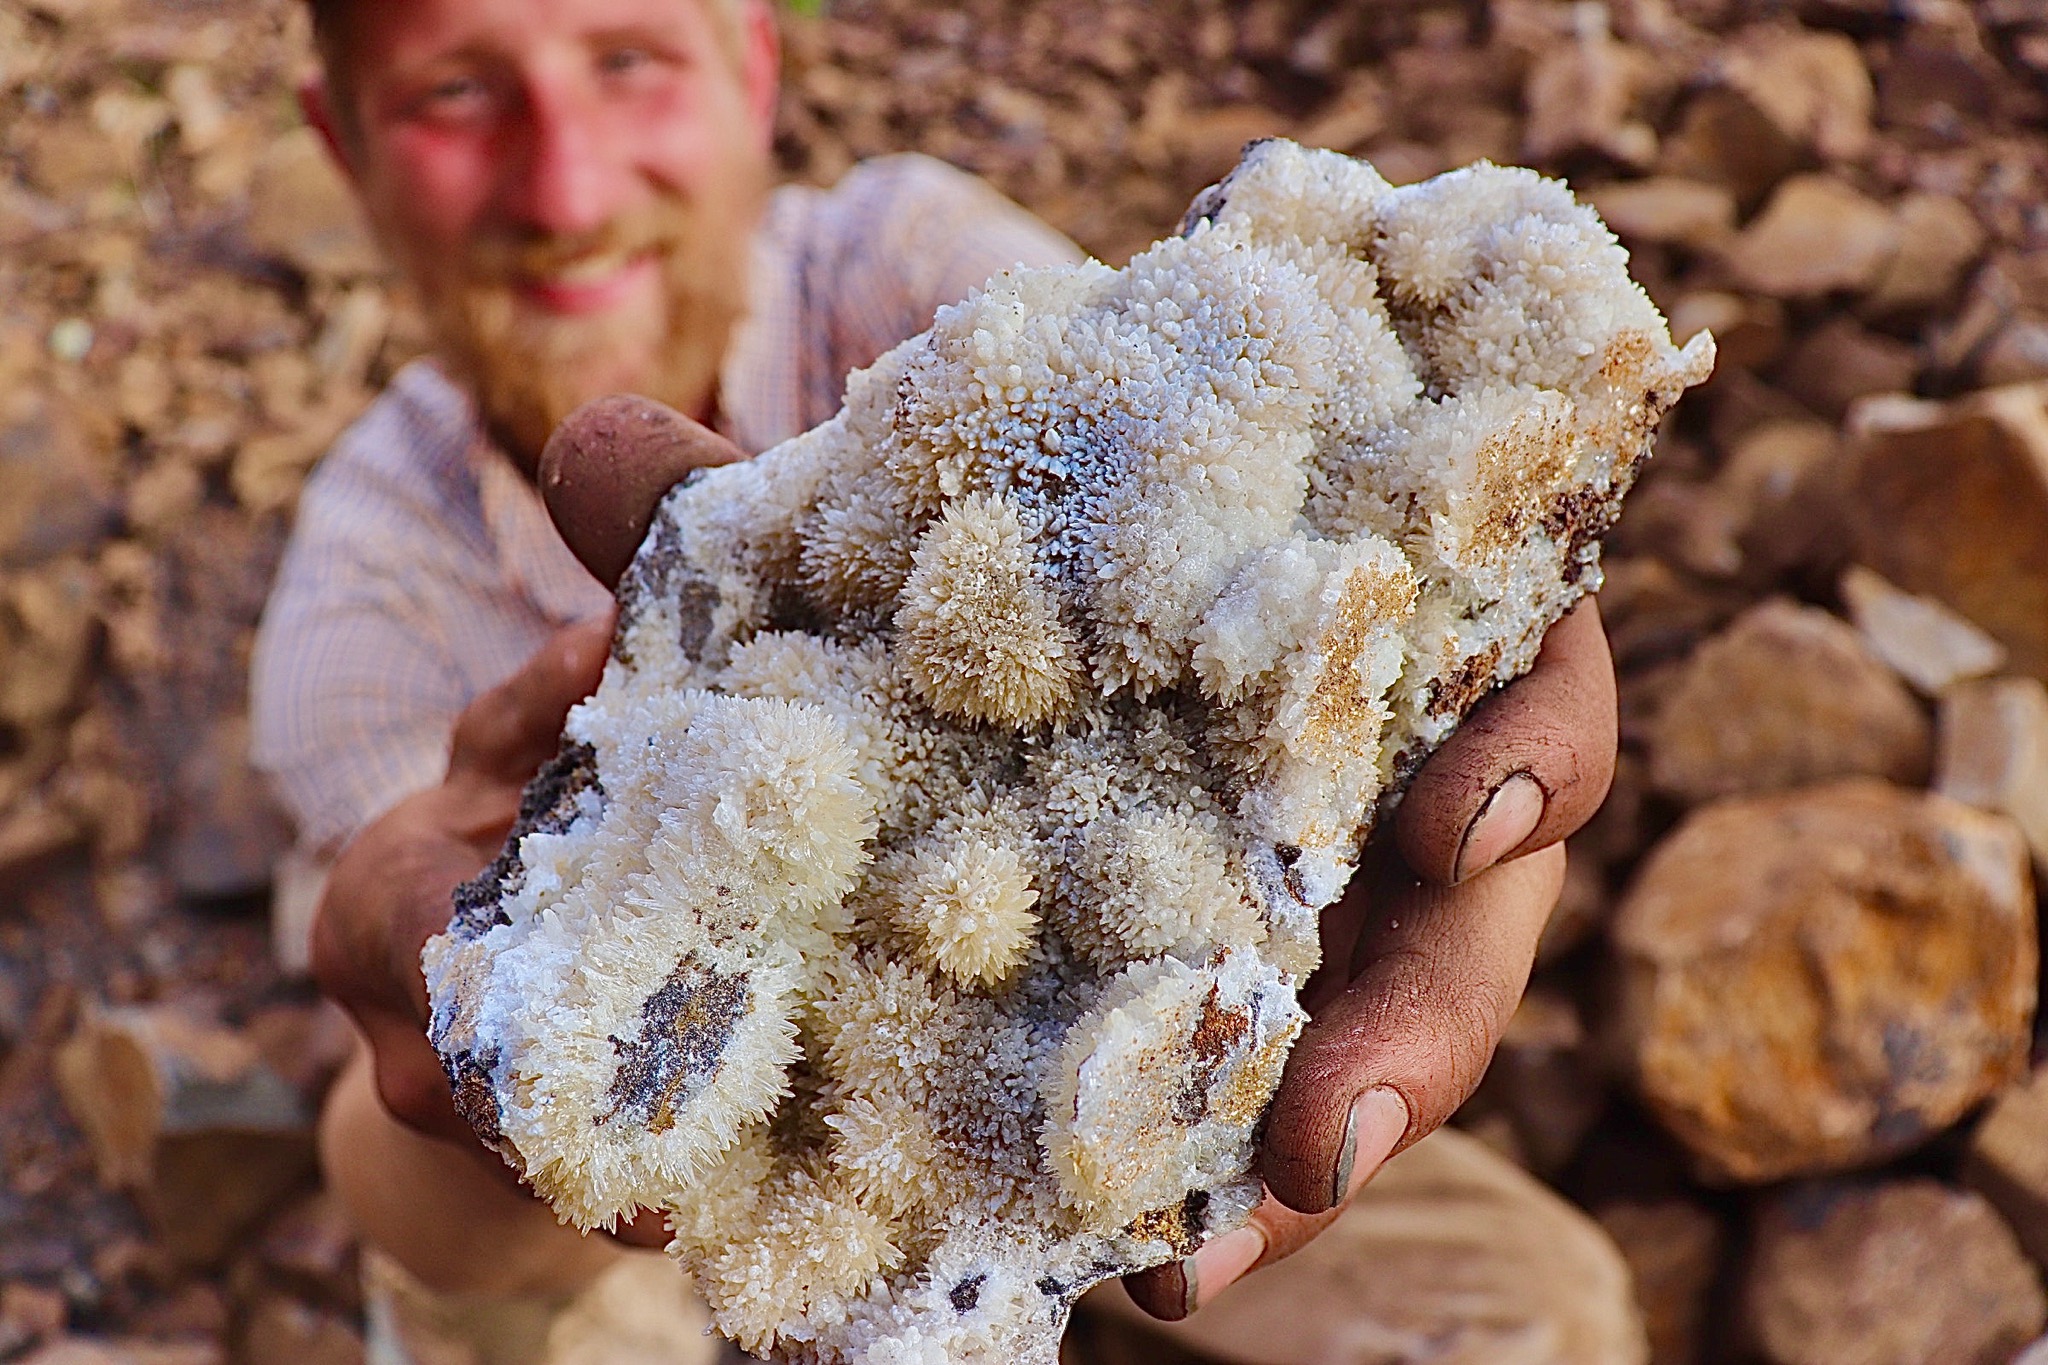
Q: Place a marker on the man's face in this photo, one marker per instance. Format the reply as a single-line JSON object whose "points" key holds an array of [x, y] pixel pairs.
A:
{"points": [[571, 184]]}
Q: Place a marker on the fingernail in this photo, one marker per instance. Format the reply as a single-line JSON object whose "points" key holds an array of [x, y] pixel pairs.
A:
{"points": [[1220, 1264], [1509, 816], [1378, 1121]]}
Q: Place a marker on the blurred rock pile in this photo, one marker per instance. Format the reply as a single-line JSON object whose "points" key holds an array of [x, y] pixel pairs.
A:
{"points": [[1798, 954]]}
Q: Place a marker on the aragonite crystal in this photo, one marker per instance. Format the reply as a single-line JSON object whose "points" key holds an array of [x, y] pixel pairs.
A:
{"points": [[915, 912]]}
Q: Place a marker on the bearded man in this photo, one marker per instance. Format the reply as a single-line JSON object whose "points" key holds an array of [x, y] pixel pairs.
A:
{"points": [[579, 190]]}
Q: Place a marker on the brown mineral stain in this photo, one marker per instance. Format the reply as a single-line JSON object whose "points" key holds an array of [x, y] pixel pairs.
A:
{"points": [[1217, 1033], [1177, 1225], [1519, 471], [684, 1029], [1339, 711]]}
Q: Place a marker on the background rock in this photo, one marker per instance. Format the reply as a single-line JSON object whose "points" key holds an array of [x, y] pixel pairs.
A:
{"points": [[1902, 1273], [1952, 501], [2007, 1161], [1786, 695], [1825, 978], [1994, 752]]}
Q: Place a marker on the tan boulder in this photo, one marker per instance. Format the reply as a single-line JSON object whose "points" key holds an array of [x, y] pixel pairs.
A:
{"points": [[1993, 752], [1451, 1256], [1817, 235], [1811, 84], [1909, 1272], [1667, 211], [1673, 1249], [2007, 1161], [1951, 500], [1925, 643], [1785, 695], [1823, 979], [1841, 361], [1938, 239]]}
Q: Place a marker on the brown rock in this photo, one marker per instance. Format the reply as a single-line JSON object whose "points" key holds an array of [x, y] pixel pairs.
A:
{"points": [[32, 830], [1924, 642], [284, 1331], [1818, 235], [311, 1249], [1543, 1081], [2018, 354], [1749, 331], [1951, 500], [126, 1351], [1581, 908], [131, 1076], [1840, 361], [185, 1113], [1785, 696], [2007, 1161], [1773, 480], [1667, 211], [46, 639], [1823, 979], [1722, 136], [1904, 1273], [57, 500], [1993, 752], [1811, 84], [225, 828], [29, 1313], [1938, 239], [1580, 96], [1673, 1250]]}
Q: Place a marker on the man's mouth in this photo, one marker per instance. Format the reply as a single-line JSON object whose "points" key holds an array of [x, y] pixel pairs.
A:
{"points": [[594, 284]]}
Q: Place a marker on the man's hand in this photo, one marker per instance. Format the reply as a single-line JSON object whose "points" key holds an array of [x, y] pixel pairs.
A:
{"points": [[390, 889], [1425, 956]]}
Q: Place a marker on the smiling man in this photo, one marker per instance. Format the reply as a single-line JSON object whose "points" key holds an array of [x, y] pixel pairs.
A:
{"points": [[579, 190]]}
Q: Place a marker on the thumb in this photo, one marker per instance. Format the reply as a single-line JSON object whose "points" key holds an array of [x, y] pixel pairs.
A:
{"points": [[608, 466], [508, 732]]}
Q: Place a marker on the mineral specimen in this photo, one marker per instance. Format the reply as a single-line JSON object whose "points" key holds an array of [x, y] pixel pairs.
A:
{"points": [[915, 912]]}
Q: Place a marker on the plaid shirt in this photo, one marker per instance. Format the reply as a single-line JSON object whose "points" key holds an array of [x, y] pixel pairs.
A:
{"points": [[423, 568]]}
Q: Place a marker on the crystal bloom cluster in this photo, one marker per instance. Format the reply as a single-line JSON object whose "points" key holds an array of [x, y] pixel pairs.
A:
{"points": [[915, 912]]}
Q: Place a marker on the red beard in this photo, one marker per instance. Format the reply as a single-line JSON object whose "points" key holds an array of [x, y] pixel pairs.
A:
{"points": [[527, 368]]}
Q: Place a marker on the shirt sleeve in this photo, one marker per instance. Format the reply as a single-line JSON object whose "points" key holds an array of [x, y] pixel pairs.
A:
{"points": [[352, 694], [907, 235]]}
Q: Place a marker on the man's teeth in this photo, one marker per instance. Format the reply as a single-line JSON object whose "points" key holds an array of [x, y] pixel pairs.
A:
{"points": [[589, 270]]}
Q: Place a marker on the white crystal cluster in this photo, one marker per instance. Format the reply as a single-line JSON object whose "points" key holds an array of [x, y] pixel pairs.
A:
{"points": [[915, 912]]}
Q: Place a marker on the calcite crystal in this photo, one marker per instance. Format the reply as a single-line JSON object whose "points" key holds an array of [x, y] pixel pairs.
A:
{"points": [[915, 912]]}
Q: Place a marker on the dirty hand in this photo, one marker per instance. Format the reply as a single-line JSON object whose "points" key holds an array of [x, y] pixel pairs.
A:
{"points": [[1425, 956], [390, 888]]}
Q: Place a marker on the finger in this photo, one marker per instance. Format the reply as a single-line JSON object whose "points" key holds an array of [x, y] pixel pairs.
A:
{"points": [[387, 894], [1529, 766], [1172, 1291], [508, 732], [606, 468], [410, 1082], [1436, 975]]}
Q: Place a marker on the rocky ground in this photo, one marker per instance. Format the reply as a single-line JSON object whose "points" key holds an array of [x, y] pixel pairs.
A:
{"points": [[1781, 1040]]}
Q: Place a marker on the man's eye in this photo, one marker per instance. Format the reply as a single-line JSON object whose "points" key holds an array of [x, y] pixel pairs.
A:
{"points": [[625, 61], [455, 96]]}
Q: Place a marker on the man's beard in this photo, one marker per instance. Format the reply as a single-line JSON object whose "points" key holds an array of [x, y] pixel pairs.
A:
{"points": [[527, 369]]}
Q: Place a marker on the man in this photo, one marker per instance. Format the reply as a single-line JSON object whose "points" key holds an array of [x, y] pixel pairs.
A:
{"points": [[579, 191]]}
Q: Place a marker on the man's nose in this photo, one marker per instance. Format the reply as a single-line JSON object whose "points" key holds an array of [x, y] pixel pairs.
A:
{"points": [[562, 178]]}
